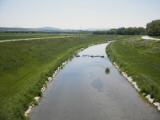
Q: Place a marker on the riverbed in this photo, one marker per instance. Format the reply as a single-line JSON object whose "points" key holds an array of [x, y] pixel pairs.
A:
{"points": [[89, 87]]}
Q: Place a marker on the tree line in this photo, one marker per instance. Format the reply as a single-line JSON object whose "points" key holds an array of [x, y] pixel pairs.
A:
{"points": [[152, 29]]}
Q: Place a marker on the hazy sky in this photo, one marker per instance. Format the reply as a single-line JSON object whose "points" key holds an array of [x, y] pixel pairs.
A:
{"points": [[78, 13]]}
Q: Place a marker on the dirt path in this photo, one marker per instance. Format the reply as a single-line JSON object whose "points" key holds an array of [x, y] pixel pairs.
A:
{"points": [[150, 38]]}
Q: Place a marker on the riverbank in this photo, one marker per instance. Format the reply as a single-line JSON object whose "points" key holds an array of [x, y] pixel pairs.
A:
{"points": [[29, 85], [51, 77], [138, 60]]}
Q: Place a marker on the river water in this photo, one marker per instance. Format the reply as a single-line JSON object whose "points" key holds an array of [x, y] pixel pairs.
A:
{"points": [[89, 87]]}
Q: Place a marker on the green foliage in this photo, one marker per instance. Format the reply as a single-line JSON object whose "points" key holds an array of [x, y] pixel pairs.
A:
{"points": [[123, 31], [153, 28], [127, 31], [141, 60]]}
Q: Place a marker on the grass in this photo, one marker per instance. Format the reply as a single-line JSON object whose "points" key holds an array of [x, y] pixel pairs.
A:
{"points": [[9, 36], [141, 60]]}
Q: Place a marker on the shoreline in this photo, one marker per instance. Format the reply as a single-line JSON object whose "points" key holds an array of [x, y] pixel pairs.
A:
{"points": [[51, 78], [135, 85], [36, 99]]}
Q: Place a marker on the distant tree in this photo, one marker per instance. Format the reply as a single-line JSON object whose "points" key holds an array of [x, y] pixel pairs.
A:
{"points": [[128, 31], [112, 31], [153, 28], [123, 31]]}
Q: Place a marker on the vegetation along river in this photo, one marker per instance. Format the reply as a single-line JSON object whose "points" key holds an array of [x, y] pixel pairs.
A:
{"points": [[89, 87]]}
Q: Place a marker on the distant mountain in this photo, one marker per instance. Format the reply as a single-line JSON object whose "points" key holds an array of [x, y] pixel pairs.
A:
{"points": [[42, 29], [95, 29], [46, 29]]}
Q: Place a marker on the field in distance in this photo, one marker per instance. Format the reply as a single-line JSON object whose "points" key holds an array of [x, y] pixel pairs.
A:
{"points": [[18, 36]]}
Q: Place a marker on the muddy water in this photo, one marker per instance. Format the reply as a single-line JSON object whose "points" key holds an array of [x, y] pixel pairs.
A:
{"points": [[90, 88]]}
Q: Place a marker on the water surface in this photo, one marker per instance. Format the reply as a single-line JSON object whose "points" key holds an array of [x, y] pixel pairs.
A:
{"points": [[83, 90]]}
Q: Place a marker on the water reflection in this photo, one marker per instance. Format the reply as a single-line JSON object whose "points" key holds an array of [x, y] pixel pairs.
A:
{"points": [[107, 71], [98, 84], [92, 56]]}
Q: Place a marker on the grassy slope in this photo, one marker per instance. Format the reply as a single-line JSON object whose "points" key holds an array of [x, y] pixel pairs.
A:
{"points": [[25, 66], [141, 60]]}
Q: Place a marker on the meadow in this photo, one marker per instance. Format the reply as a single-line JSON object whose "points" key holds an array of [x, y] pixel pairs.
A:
{"points": [[141, 60], [24, 35]]}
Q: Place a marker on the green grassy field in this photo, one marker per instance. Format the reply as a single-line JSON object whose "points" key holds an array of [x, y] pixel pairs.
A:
{"points": [[8, 36], [141, 60]]}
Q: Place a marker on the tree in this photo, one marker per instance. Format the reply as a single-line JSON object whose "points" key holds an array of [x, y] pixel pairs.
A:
{"points": [[153, 28], [128, 31]]}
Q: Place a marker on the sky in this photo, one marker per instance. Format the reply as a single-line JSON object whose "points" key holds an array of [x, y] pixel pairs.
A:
{"points": [[78, 14]]}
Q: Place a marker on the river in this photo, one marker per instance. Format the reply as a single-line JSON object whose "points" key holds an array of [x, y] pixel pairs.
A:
{"points": [[89, 87]]}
